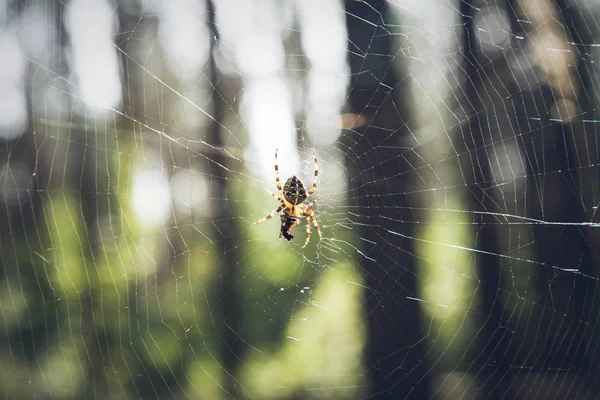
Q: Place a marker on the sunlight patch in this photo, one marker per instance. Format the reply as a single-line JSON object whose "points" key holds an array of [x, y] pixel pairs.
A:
{"points": [[90, 25], [13, 112], [493, 29], [190, 191], [151, 197], [184, 36]]}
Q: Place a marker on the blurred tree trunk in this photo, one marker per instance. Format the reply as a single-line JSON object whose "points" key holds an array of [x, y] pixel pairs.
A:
{"points": [[493, 340], [226, 237], [550, 193], [379, 169], [23, 179], [585, 145]]}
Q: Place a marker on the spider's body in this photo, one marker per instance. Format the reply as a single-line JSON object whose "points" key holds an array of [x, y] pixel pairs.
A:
{"points": [[287, 223], [293, 191], [292, 205]]}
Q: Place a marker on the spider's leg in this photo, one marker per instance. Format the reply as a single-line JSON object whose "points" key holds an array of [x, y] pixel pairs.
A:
{"points": [[317, 227], [275, 196], [314, 187], [311, 215], [277, 175], [307, 231], [311, 203], [270, 215]]}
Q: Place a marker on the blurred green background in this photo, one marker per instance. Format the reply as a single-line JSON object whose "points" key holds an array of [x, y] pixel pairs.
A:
{"points": [[458, 189]]}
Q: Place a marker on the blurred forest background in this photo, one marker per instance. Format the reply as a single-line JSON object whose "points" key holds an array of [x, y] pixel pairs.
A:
{"points": [[458, 192]]}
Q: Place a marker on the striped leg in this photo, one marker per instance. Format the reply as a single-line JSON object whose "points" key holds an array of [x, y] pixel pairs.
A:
{"points": [[317, 227], [307, 231], [311, 203], [275, 196], [277, 175], [314, 187], [270, 215]]}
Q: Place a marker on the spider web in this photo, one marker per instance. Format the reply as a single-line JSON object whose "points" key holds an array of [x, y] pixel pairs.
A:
{"points": [[458, 192]]}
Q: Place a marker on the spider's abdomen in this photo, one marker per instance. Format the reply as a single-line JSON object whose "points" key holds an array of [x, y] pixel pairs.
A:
{"points": [[294, 191]]}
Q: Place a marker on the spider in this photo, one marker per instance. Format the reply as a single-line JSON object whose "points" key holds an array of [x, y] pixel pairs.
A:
{"points": [[292, 205]]}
